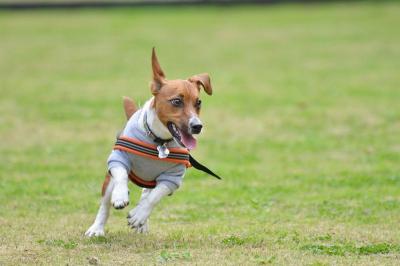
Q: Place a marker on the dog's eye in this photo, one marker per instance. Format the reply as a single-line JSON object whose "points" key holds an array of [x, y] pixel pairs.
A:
{"points": [[198, 104], [177, 102]]}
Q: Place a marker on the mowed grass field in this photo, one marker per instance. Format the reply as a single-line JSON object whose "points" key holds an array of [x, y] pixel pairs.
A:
{"points": [[304, 126]]}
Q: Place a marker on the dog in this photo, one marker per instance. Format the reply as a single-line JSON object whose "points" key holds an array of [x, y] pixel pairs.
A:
{"points": [[153, 149]]}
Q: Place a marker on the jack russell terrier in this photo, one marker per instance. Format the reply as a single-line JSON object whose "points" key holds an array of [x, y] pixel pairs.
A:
{"points": [[153, 149]]}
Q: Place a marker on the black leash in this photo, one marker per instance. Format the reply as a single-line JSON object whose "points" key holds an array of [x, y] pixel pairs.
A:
{"points": [[201, 167]]}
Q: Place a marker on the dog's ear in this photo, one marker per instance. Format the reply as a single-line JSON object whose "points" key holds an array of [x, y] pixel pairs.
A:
{"points": [[129, 107], [204, 81], [158, 74]]}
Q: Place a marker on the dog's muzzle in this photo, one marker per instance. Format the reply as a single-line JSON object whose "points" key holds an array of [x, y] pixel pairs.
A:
{"points": [[195, 125]]}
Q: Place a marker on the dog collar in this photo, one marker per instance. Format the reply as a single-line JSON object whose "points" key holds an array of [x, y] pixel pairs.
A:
{"points": [[156, 139]]}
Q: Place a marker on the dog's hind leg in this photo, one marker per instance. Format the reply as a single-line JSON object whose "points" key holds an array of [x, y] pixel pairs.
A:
{"points": [[97, 228], [145, 227]]}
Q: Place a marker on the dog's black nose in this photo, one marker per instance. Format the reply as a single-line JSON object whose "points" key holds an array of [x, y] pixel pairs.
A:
{"points": [[196, 128]]}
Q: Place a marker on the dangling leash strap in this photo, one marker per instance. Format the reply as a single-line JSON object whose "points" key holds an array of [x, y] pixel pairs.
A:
{"points": [[201, 167]]}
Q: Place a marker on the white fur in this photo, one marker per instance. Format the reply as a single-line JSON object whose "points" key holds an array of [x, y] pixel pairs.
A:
{"points": [[156, 126], [145, 227], [120, 194], [138, 216], [97, 228]]}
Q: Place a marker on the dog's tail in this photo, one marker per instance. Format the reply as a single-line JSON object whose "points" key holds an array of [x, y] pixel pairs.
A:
{"points": [[129, 107]]}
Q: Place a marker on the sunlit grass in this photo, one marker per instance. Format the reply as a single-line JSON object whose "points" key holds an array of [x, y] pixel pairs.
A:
{"points": [[303, 126]]}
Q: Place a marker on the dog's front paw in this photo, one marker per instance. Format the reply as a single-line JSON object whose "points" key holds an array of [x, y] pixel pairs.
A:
{"points": [[143, 228], [120, 197], [95, 230], [137, 218]]}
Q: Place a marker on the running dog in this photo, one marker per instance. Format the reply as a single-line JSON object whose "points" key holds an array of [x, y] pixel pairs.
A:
{"points": [[153, 149]]}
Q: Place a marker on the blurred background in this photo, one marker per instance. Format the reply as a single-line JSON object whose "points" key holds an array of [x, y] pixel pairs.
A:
{"points": [[303, 126]]}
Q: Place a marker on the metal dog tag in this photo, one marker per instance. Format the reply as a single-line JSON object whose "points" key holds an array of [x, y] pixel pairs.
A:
{"points": [[162, 151]]}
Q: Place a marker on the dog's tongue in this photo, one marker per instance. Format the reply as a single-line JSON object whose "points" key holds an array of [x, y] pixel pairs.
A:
{"points": [[189, 141]]}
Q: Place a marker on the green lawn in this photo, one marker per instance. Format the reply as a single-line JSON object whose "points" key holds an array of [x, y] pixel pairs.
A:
{"points": [[304, 126]]}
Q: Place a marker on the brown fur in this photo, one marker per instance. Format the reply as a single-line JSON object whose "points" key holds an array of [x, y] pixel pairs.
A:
{"points": [[188, 90], [105, 184], [129, 107]]}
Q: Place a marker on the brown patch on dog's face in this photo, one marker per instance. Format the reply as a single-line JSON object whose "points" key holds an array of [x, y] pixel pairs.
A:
{"points": [[177, 101]]}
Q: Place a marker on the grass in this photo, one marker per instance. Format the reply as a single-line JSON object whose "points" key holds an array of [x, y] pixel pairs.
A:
{"points": [[303, 126]]}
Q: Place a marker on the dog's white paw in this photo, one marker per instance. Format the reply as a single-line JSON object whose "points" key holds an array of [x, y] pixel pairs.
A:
{"points": [[143, 228], [120, 197], [137, 217], [95, 230]]}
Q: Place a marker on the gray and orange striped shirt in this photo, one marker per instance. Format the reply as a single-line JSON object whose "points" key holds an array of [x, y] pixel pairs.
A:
{"points": [[137, 153]]}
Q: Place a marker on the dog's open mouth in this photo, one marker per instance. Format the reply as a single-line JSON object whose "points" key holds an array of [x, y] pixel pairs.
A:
{"points": [[183, 137]]}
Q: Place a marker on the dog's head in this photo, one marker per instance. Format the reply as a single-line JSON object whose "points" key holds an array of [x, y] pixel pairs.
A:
{"points": [[177, 103]]}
